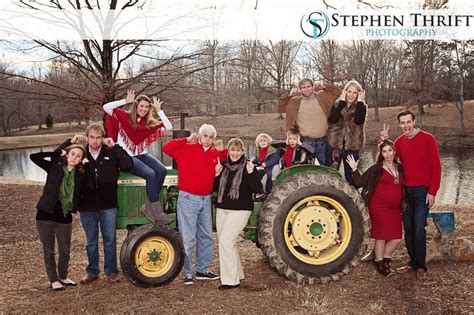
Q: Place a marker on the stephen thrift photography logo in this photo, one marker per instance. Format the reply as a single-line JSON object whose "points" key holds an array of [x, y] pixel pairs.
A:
{"points": [[315, 25]]}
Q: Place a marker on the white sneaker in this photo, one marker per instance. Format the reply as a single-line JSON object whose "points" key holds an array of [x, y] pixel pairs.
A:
{"points": [[57, 286], [68, 282]]}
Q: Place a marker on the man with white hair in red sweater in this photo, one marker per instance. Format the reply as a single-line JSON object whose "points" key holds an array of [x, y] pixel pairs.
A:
{"points": [[196, 157]]}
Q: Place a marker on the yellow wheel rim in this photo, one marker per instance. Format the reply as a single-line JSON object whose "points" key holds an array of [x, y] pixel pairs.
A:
{"points": [[317, 230], [154, 256]]}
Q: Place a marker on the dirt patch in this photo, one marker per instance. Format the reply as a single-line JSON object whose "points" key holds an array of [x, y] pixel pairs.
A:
{"points": [[24, 287]]}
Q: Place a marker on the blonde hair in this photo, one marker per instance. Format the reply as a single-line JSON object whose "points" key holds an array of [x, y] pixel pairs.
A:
{"points": [[263, 136], [96, 127], [132, 112], [353, 83], [235, 143], [293, 132]]}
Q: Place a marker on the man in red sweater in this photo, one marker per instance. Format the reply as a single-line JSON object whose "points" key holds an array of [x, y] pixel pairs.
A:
{"points": [[196, 158], [418, 153]]}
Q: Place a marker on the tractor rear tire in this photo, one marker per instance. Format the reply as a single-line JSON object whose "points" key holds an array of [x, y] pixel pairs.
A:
{"points": [[151, 255], [313, 228]]}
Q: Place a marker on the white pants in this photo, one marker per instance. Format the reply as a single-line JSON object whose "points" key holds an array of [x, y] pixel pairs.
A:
{"points": [[230, 223]]}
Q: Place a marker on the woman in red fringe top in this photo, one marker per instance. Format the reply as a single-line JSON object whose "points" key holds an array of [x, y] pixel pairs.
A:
{"points": [[134, 130]]}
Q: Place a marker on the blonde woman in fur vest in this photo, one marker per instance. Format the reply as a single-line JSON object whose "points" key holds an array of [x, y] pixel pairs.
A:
{"points": [[346, 134]]}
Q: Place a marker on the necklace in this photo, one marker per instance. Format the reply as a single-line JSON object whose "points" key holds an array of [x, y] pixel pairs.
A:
{"points": [[394, 173]]}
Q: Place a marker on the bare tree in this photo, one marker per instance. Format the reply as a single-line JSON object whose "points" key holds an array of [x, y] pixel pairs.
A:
{"points": [[96, 66], [327, 59], [457, 62]]}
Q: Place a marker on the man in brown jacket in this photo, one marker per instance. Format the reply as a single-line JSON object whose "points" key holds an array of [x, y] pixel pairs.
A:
{"points": [[308, 111]]}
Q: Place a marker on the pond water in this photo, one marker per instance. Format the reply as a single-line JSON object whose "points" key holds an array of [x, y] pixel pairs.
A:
{"points": [[457, 180]]}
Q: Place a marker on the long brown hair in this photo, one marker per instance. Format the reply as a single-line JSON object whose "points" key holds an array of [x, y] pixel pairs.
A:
{"points": [[132, 112], [63, 158], [383, 144]]}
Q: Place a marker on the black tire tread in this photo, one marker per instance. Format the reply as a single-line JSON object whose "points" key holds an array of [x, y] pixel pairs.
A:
{"points": [[272, 207]]}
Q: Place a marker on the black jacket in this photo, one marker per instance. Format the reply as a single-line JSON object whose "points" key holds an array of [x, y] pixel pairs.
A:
{"points": [[250, 184], [49, 200], [99, 189]]}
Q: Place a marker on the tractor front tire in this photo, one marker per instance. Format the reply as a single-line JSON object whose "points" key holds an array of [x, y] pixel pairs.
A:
{"points": [[151, 255], [313, 227]]}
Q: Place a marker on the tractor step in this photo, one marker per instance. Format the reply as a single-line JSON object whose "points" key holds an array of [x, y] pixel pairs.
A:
{"points": [[444, 221]]}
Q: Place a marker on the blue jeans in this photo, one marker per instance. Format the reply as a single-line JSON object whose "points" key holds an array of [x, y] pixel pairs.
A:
{"points": [[270, 162], [414, 223], [195, 228], [91, 220], [319, 147], [347, 169], [148, 167]]}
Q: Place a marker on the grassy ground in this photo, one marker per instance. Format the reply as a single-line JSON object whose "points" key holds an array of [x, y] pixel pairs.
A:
{"points": [[442, 121]]}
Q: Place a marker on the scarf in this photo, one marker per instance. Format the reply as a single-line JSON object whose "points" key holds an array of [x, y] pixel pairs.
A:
{"points": [[66, 190], [238, 168], [135, 139]]}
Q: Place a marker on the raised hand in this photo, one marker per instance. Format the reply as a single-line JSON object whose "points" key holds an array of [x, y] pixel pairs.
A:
{"points": [[250, 167], [219, 145], [108, 142], [361, 96], [130, 96], [319, 85], [78, 139], [192, 138], [342, 97], [352, 162], [295, 91], [157, 104], [384, 132]]}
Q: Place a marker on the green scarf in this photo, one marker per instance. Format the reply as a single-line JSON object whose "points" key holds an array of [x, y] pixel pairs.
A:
{"points": [[66, 190]]}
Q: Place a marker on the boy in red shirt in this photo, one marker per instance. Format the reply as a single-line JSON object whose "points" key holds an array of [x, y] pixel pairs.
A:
{"points": [[295, 151], [196, 156]]}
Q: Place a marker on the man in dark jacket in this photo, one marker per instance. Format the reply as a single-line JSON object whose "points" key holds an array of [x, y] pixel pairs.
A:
{"points": [[98, 202]]}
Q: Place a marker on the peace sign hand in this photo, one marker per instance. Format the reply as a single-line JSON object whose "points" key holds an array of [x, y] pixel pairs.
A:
{"points": [[384, 132], [250, 166]]}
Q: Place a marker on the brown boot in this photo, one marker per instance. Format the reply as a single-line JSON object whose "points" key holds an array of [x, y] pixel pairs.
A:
{"points": [[89, 279]]}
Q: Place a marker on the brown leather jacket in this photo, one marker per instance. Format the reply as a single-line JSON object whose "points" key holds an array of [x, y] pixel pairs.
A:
{"points": [[291, 105], [371, 178]]}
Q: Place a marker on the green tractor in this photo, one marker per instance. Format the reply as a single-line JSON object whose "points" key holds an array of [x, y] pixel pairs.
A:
{"points": [[312, 228]]}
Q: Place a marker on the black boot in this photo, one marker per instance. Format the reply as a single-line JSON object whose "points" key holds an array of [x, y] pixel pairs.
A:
{"points": [[379, 264], [387, 264]]}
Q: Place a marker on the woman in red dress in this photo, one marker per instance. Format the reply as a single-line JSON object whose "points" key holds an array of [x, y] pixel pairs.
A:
{"points": [[384, 185]]}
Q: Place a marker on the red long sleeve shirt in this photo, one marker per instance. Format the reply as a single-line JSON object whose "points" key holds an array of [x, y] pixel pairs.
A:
{"points": [[196, 167], [420, 159], [289, 156]]}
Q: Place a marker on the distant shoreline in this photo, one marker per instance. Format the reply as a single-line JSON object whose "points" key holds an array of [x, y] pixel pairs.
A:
{"points": [[441, 121]]}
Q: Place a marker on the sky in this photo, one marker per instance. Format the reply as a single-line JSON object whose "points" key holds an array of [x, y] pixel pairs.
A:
{"points": [[204, 20]]}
